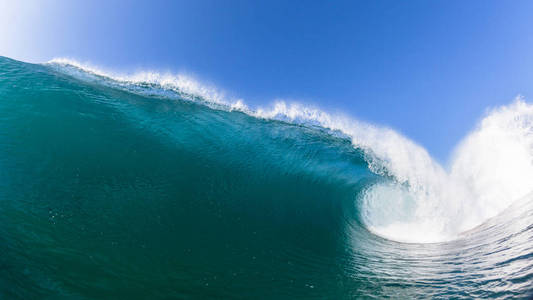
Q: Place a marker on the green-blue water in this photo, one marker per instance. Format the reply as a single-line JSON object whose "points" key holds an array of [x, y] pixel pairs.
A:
{"points": [[110, 194]]}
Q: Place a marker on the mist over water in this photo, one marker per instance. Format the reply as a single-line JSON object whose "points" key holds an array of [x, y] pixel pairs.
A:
{"points": [[153, 185]]}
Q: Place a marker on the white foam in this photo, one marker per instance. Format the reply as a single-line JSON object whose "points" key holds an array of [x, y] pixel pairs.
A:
{"points": [[495, 161], [491, 168], [147, 82]]}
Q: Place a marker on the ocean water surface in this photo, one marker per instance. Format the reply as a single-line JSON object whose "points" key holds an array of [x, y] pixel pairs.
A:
{"points": [[153, 186]]}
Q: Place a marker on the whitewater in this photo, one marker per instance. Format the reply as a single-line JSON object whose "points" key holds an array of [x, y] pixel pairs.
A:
{"points": [[490, 169]]}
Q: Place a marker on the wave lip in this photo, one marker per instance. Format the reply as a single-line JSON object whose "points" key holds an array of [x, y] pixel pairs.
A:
{"points": [[424, 201]]}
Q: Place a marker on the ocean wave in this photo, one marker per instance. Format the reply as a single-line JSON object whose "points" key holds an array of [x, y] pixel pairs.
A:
{"points": [[425, 202], [157, 186]]}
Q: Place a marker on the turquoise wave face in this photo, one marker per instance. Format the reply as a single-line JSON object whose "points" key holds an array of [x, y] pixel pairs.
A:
{"points": [[115, 191]]}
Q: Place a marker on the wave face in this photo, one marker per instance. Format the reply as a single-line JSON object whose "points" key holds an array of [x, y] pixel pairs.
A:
{"points": [[155, 186]]}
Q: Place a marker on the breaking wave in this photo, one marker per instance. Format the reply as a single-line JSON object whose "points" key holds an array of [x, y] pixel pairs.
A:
{"points": [[151, 185], [424, 202]]}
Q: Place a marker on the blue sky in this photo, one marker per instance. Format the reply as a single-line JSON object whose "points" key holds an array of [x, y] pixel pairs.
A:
{"points": [[428, 69]]}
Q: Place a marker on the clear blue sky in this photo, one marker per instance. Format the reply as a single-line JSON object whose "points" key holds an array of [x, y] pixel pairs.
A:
{"points": [[429, 69]]}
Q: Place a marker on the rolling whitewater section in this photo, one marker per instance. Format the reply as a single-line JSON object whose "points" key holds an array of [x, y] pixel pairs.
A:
{"points": [[155, 186]]}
